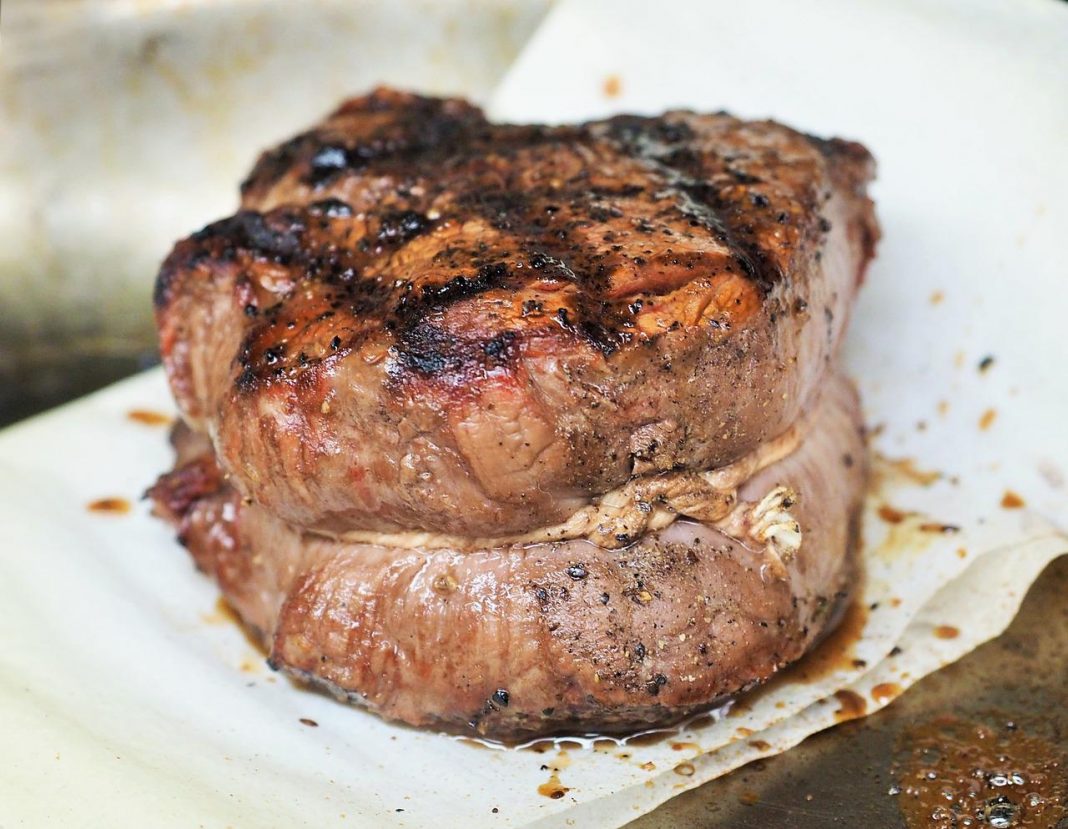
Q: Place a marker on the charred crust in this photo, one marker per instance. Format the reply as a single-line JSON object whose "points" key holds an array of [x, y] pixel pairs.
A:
{"points": [[277, 235], [331, 208], [553, 221]]}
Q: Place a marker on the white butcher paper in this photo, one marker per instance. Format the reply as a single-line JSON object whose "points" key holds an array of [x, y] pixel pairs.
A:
{"points": [[125, 701]]}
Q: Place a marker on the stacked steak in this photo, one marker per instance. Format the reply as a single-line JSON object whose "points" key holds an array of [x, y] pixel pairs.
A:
{"points": [[522, 430]]}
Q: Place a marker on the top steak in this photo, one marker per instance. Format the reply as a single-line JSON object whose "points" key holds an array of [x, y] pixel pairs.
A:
{"points": [[423, 321]]}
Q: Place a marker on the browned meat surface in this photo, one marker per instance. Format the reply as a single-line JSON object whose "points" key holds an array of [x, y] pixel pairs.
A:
{"points": [[422, 321], [554, 637]]}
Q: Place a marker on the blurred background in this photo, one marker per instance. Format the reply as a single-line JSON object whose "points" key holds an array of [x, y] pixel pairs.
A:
{"points": [[127, 124]]}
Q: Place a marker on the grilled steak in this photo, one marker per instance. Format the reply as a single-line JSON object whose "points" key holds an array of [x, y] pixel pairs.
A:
{"points": [[516, 641], [423, 321], [523, 430]]}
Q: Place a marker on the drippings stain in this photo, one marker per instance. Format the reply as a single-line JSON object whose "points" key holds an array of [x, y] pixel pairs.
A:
{"points": [[612, 86], [147, 417], [946, 632], [685, 747], [885, 691], [553, 787], [649, 766], [836, 652], [685, 769], [852, 704], [986, 420], [891, 515], [224, 614], [309, 722], [906, 539], [953, 773], [744, 732], [937, 297], [1010, 500], [937, 527], [113, 506], [899, 470], [760, 745], [749, 798], [251, 664]]}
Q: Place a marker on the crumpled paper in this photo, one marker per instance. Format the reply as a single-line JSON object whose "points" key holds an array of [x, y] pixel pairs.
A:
{"points": [[120, 675]]}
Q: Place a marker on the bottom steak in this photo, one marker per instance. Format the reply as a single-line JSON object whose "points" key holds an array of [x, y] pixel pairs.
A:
{"points": [[517, 641]]}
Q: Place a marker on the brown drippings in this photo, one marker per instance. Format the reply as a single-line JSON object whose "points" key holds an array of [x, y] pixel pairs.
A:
{"points": [[909, 534], [936, 527], [835, 653], [309, 722], [853, 705], [955, 773], [749, 798], [962, 553], [146, 417], [891, 515], [540, 747], [649, 766], [937, 297], [760, 745], [744, 732], [885, 691], [685, 747], [553, 787], [224, 614], [251, 664], [467, 741], [1010, 500], [987, 419], [612, 86], [605, 745], [946, 632], [685, 769], [897, 470], [114, 506]]}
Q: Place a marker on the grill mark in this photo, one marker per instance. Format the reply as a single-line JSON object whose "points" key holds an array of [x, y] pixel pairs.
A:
{"points": [[652, 140], [451, 151]]}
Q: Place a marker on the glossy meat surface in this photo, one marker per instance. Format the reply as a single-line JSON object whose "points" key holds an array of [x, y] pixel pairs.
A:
{"points": [[423, 321], [562, 637]]}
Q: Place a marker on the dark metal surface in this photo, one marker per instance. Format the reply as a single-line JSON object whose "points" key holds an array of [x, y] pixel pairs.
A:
{"points": [[842, 777], [839, 778]]}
